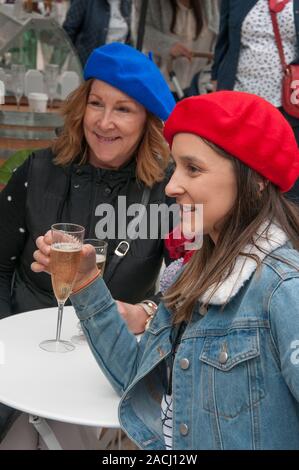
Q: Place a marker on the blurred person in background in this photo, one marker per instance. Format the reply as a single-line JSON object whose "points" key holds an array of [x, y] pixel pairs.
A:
{"points": [[175, 29], [93, 23], [246, 53]]}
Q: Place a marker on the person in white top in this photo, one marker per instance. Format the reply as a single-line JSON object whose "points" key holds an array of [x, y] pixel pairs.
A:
{"points": [[175, 29], [246, 53]]}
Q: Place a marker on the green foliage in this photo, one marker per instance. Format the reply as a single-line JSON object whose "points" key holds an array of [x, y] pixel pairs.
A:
{"points": [[14, 161]]}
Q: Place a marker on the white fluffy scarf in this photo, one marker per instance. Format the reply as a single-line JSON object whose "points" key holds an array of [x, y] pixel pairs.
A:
{"points": [[245, 267]]}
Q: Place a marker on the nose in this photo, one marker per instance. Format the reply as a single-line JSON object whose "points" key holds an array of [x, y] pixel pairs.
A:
{"points": [[105, 122], [174, 187]]}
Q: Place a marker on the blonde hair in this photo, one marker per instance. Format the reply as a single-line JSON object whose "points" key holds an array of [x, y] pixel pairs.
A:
{"points": [[152, 155]]}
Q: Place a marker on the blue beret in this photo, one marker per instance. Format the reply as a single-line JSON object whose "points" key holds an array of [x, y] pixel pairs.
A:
{"points": [[133, 73]]}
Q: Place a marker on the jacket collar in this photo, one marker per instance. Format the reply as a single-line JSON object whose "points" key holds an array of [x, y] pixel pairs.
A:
{"points": [[245, 267]]}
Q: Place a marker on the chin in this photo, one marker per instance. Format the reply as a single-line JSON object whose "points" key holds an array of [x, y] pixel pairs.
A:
{"points": [[105, 161]]}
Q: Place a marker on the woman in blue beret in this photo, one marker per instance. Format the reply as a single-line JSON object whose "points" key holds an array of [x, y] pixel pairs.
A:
{"points": [[110, 154], [218, 367]]}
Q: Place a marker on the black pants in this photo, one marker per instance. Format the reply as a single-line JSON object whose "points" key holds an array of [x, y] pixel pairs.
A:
{"points": [[293, 194]]}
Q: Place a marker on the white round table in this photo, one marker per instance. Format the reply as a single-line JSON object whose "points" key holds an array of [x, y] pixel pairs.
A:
{"points": [[68, 387]]}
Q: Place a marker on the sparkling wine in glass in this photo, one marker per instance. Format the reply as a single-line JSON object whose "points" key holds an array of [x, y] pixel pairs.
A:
{"points": [[101, 252], [101, 255], [65, 255]]}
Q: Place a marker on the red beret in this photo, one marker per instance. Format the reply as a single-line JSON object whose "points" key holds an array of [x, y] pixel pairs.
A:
{"points": [[244, 125]]}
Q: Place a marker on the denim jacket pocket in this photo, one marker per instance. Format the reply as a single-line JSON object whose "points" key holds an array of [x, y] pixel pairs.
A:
{"points": [[232, 377]]}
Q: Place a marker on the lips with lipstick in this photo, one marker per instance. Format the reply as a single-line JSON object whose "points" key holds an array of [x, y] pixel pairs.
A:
{"points": [[106, 140]]}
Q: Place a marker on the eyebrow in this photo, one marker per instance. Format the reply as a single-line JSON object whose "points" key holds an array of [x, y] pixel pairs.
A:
{"points": [[190, 159], [118, 101]]}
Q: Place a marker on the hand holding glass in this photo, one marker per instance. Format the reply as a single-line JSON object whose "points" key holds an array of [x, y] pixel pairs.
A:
{"points": [[101, 254], [65, 254]]}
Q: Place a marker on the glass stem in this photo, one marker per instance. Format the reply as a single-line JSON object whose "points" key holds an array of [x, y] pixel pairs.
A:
{"points": [[59, 320]]}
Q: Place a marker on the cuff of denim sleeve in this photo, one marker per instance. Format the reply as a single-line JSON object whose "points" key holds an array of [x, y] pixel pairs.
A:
{"points": [[85, 284], [92, 299]]}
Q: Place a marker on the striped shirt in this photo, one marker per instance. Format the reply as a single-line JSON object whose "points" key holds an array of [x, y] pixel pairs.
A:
{"points": [[167, 400]]}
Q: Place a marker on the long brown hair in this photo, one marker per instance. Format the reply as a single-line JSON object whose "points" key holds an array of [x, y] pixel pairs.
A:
{"points": [[213, 263], [152, 154], [198, 14]]}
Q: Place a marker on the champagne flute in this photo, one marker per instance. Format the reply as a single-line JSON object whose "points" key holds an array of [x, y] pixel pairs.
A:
{"points": [[101, 255], [65, 254], [51, 78], [18, 76]]}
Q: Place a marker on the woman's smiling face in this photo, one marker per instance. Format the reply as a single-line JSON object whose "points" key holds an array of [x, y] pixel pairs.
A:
{"points": [[202, 176], [113, 125]]}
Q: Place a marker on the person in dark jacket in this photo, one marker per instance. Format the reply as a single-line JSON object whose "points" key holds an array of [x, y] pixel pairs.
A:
{"points": [[246, 54], [92, 23], [111, 147]]}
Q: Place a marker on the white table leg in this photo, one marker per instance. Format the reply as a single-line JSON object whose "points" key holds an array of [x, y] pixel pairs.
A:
{"points": [[45, 431]]}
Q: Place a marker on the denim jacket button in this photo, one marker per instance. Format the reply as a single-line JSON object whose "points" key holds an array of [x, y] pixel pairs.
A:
{"points": [[184, 363], [184, 429], [223, 357]]}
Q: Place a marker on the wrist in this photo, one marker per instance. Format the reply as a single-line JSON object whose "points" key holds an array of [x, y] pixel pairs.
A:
{"points": [[83, 282], [150, 309]]}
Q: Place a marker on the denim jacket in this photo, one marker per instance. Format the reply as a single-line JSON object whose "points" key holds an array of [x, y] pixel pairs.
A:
{"points": [[235, 379]]}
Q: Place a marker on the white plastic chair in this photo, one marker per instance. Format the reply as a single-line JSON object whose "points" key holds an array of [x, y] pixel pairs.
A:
{"points": [[69, 82]]}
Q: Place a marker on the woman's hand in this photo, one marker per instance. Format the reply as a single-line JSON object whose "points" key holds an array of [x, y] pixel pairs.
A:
{"points": [[214, 85], [178, 50], [134, 315], [87, 267]]}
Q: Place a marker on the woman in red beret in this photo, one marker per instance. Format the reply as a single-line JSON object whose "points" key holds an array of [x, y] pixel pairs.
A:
{"points": [[218, 367]]}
